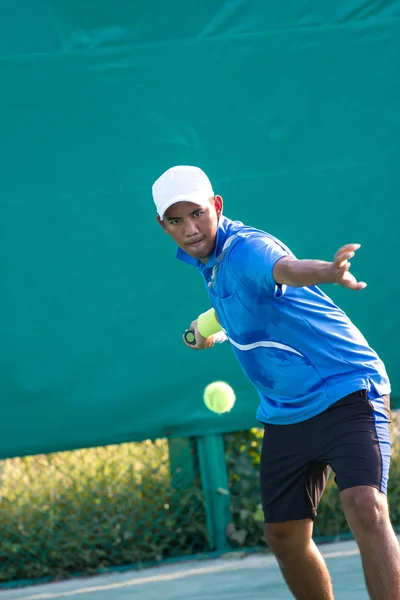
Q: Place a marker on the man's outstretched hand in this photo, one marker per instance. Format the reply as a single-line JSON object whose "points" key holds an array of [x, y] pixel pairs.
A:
{"points": [[340, 268]]}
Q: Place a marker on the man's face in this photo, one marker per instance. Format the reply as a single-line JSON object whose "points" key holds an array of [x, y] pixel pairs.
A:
{"points": [[193, 227]]}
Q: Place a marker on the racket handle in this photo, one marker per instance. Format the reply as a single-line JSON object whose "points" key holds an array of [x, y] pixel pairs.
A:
{"points": [[190, 337], [220, 337]]}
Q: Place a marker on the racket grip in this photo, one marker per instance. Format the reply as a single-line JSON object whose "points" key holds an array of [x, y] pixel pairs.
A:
{"points": [[220, 337], [190, 337]]}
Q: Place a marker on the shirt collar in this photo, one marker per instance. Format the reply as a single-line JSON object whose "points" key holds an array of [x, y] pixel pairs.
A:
{"points": [[223, 231]]}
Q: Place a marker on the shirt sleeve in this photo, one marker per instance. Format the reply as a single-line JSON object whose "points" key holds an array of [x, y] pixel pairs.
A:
{"points": [[253, 259]]}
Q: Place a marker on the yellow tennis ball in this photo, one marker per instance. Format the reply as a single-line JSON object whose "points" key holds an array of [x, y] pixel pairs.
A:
{"points": [[219, 397]]}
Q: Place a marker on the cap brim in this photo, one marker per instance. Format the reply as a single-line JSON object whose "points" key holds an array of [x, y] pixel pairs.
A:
{"points": [[196, 198]]}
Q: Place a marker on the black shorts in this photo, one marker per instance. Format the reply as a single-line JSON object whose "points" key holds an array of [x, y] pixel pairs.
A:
{"points": [[352, 437]]}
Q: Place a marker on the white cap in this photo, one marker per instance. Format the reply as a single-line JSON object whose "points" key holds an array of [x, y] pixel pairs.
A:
{"points": [[180, 184]]}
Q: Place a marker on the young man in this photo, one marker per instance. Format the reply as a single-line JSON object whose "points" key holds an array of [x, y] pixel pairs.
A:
{"points": [[324, 392]]}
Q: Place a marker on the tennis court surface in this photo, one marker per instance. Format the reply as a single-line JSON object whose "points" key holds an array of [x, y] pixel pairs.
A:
{"points": [[256, 576]]}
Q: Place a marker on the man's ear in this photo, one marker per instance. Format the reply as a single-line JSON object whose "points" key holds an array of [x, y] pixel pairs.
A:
{"points": [[161, 223], [219, 205]]}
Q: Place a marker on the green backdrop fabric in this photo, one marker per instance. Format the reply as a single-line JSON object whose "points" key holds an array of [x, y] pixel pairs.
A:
{"points": [[291, 108]]}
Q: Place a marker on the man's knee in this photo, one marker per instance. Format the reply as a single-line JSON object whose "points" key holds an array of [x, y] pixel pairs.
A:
{"points": [[365, 508], [285, 538]]}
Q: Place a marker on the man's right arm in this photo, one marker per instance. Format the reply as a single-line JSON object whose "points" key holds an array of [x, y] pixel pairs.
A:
{"points": [[207, 338]]}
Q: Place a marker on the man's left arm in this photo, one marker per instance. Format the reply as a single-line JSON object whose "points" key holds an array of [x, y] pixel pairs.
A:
{"points": [[303, 273]]}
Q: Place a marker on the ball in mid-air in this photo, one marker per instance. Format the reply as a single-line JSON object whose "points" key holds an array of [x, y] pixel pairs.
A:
{"points": [[219, 397]]}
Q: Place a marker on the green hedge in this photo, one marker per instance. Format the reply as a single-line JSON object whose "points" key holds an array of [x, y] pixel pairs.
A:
{"points": [[243, 460], [87, 510]]}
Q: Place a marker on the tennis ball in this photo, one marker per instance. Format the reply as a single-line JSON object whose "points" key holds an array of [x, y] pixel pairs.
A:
{"points": [[219, 397]]}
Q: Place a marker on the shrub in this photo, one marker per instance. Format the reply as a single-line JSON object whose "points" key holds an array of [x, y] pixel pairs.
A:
{"points": [[86, 510]]}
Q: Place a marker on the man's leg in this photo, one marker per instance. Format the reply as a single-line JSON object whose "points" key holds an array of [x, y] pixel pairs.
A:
{"points": [[291, 487], [300, 561], [367, 513], [361, 459]]}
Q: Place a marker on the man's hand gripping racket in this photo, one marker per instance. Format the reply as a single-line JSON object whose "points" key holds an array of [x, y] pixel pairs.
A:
{"points": [[204, 332]]}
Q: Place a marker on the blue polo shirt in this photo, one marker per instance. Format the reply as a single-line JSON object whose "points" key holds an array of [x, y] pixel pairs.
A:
{"points": [[300, 351]]}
